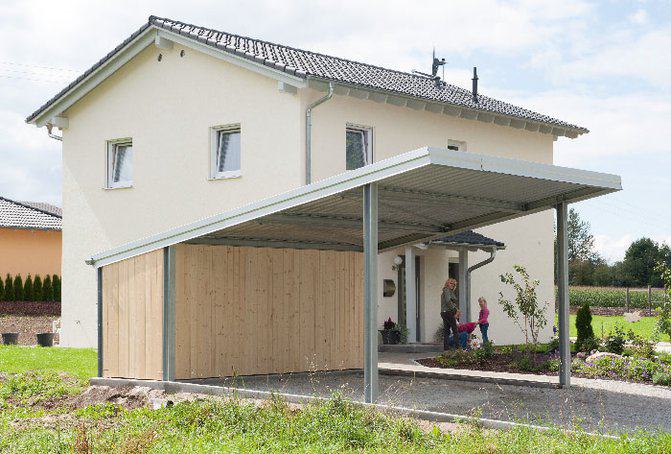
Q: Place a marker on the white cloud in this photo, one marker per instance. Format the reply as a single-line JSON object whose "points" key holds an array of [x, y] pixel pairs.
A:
{"points": [[612, 249], [639, 17]]}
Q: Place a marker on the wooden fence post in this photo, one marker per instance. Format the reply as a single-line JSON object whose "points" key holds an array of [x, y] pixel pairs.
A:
{"points": [[628, 301], [650, 300]]}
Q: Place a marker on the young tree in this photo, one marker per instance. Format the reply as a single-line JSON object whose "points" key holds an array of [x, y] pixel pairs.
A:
{"points": [[28, 289], [18, 288], [37, 288], [56, 283], [9, 288], [47, 289], [583, 324], [2, 290], [525, 310]]}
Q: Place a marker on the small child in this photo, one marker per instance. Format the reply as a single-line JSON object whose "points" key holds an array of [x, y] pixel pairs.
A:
{"points": [[483, 319]]}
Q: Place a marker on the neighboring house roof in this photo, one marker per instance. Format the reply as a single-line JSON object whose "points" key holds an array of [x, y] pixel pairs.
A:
{"points": [[311, 65], [19, 215], [46, 207], [469, 238]]}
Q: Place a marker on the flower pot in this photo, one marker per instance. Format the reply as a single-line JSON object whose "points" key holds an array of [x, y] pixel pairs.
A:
{"points": [[10, 338], [45, 339], [390, 336]]}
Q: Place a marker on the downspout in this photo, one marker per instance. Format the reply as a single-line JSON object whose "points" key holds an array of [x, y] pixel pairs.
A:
{"points": [[308, 132], [492, 256], [52, 135]]}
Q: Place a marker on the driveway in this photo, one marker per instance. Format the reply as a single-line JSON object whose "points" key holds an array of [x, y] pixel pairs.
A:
{"points": [[594, 409]]}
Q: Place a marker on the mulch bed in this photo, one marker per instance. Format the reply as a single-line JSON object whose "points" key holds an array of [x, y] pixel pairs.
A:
{"points": [[616, 311], [27, 327], [30, 308], [509, 361]]}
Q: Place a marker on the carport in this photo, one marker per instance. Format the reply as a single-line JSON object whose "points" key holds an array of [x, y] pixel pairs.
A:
{"points": [[262, 274]]}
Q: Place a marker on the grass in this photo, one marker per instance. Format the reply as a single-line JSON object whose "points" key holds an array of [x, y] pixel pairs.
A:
{"points": [[77, 362], [604, 324], [29, 377]]}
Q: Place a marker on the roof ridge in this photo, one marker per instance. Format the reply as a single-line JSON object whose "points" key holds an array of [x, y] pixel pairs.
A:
{"points": [[398, 71], [30, 207]]}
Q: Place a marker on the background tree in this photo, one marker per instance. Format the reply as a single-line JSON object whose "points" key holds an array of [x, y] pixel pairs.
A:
{"points": [[640, 264], [28, 289], [9, 288], [37, 288], [582, 257], [47, 289], [18, 288], [56, 283], [2, 290]]}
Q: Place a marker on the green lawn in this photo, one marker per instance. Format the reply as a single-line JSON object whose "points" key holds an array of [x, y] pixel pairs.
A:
{"points": [[78, 362], [605, 324]]}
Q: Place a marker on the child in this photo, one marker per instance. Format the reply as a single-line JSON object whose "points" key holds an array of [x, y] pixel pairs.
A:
{"points": [[465, 329], [483, 319]]}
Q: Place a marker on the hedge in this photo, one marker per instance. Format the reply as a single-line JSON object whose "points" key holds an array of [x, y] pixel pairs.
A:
{"points": [[14, 288], [613, 297]]}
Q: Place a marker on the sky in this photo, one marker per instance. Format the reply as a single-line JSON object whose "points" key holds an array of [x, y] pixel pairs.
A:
{"points": [[603, 65]]}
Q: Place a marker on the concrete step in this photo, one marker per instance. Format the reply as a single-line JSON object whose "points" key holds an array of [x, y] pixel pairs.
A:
{"points": [[410, 348]]}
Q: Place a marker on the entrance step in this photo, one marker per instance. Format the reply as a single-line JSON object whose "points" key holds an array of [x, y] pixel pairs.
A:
{"points": [[410, 348]]}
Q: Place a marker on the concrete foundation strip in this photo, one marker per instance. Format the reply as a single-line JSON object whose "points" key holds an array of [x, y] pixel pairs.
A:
{"points": [[173, 387]]}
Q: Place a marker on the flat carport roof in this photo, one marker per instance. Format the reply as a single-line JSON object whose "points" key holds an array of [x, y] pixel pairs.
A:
{"points": [[413, 197], [423, 194]]}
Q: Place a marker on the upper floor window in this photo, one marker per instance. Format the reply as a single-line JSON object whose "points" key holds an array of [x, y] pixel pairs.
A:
{"points": [[225, 152], [456, 145], [120, 163], [358, 151]]}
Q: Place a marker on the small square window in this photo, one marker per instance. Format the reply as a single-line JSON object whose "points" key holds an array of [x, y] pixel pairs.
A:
{"points": [[120, 164], [226, 153], [358, 148], [456, 145]]}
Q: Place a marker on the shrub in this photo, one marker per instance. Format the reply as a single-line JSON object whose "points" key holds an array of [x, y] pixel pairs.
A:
{"points": [[641, 346], [583, 324], [2, 290], [56, 283], [485, 352], [525, 311], [664, 320], [37, 288], [18, 288], [615, 341], [28, 289], [47, 289], [9, 288], [662, 377], [589, 344]]}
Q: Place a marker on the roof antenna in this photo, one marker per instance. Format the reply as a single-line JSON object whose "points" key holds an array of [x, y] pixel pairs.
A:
{"points": [[475, 84], [435, 64]]}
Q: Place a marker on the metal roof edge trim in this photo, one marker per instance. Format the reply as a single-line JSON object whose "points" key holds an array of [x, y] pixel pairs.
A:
{"points": [[323, 188]]}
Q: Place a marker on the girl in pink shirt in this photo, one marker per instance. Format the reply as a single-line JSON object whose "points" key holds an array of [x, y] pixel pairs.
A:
{"points": [[483, 319]]}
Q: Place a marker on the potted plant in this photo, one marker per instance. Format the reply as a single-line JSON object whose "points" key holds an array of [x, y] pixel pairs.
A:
{"points": [[10, 338], [45, 339], [391, 334]]}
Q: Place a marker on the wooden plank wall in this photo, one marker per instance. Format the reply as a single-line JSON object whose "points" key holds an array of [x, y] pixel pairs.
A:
{"points": [[243, 310], [133, 317]]}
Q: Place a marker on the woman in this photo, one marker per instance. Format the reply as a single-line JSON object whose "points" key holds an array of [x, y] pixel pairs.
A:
{"points": [[449, 303]]}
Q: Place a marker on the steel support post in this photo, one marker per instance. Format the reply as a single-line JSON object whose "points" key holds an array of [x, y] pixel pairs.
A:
{"points": [[464, 303], [370, 241], [169, 313], [563, 296], [410, 294], [99, 274]]}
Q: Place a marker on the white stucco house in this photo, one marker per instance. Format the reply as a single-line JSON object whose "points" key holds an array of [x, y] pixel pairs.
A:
{"points": [[181, 122]]}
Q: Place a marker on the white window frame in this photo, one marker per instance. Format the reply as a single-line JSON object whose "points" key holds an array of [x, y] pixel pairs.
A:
{"points": [[110, 147], [369, 136], [460, 144], [214, 136]]}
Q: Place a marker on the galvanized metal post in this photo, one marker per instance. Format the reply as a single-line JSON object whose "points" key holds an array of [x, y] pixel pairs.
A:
{"points": [[99, 273], [563, 296], [410, 294], [464, 303], [370, 374], [168, 313]]}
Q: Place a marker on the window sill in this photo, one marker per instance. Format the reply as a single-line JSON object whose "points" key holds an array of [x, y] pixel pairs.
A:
{"points": [[226, 176], [125, 186]]}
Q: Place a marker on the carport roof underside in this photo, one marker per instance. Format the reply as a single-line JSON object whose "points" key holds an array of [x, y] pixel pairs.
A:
{"points": [[422, 195]]}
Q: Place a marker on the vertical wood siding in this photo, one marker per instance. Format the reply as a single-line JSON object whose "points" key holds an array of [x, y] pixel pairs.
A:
{"points": [[241, 310], [133, 317]]}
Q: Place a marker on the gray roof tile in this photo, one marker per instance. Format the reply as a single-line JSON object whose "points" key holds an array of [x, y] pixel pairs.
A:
{"points": [[307, 64], [469, 237], [46, 207], [19, 215]]}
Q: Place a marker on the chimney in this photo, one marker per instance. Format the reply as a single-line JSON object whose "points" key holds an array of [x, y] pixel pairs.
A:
{"points": [[475, 84]]}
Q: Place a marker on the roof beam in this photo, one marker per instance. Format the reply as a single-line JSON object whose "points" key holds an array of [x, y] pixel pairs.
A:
{"points": [[273, 243], [332, 222], [438, 198]]}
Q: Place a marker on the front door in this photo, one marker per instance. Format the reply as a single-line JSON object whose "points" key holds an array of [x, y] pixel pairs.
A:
{"points": [[402, 297]]}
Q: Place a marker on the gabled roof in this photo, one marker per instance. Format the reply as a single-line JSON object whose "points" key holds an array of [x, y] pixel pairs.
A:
{"points": [[319, 67], [46, 207], [469, 238], [19, 215]]}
